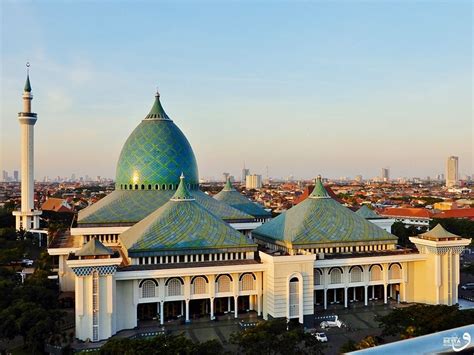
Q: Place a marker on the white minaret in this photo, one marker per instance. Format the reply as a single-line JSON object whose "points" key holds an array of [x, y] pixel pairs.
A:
{"points": [[27, 218]]}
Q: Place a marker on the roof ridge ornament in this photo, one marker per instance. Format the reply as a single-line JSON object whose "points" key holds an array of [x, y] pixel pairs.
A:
{"points": [[182, 193], [319, 191]]}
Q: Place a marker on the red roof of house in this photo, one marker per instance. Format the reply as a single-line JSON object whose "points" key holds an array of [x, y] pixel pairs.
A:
{"points": [[407, 212], [456, 213], [55, 204]]}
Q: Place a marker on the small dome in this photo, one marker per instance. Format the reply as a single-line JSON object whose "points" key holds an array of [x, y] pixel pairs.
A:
{"points": [[155, 155]]}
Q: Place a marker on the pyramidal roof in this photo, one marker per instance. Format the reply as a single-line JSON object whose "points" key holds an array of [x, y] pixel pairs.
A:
{"points": [[182, 226], [367, 213], [438, 232], [94, 247], [320, 220], [234, 198]]}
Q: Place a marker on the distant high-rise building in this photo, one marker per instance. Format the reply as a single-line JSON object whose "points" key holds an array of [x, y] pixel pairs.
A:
{"points": [[452, 171], [15, 175], [358, 178], [5, 175], [253, 181], [385, 174], [245, 172]]}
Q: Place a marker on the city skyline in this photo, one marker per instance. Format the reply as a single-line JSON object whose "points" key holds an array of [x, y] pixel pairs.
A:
{"points": [[349, 102]]}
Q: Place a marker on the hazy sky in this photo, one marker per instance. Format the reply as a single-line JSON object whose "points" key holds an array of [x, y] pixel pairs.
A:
{"points": [[338, 88]]}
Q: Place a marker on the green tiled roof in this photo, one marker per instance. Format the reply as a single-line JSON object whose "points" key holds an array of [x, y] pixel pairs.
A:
{"points": [[320, 220], [130, 206], [27, 87], [439, 232], [319, 191], [93, 248], [232, 197], [156, 153], [367, 213], [182, 193], [183, 226]]}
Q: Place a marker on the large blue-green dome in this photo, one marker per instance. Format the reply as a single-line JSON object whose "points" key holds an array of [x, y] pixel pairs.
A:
{"points": [[155, 155]]}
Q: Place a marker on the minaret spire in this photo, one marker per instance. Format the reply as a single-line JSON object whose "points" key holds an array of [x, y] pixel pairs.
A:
{"points": [[27, 218]]}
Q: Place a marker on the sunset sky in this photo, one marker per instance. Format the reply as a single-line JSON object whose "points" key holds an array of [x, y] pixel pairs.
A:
{"points": [[334, 88]]}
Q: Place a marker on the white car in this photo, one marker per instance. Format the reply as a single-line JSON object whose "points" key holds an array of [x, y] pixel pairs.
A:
{"points": [[321, 337], [331, 323], [27, 262]]}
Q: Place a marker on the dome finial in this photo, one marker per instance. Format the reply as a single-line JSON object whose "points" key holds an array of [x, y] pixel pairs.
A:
{"points": [[157, 111], [319, 191], [182, 193], [228, 185]]}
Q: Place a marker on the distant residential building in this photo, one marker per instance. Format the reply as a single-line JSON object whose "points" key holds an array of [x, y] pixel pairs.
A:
{"points": [[253, 181], [419, 217], [385, 174], [56, 205], [373, 217], [466, 213], [452, 171]]}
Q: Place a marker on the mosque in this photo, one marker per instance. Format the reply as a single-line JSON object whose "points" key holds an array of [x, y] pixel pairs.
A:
{"points": [[160, 248]]}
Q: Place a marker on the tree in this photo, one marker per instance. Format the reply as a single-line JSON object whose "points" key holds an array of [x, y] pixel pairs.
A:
{"points": [[274, 337], [421, 319]]}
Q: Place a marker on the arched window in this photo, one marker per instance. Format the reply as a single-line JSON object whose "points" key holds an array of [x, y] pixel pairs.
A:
{"points": [[163, 187], [170, 186], [247, 282], [294, 301], [148, 289], [356, 274], [375, 273], [130, 187], [174, 287], [157, 187], [224, 283], [199, 285], [318, 280], [149, 187], [395, 272], [136, 187], [143, 187], [336, 276]]}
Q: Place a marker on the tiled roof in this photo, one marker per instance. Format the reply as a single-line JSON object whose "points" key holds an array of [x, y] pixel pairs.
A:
{"points": [[93, 248], [456, 213], [182, 226], [438, 232], [232, 197], [156, 153], [407, 212], [320, 221], [367, 213], [130, 206], [56, 205]]}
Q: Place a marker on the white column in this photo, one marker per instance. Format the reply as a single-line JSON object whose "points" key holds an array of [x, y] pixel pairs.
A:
{"points": [[366, 294], [162, 312], [335, 299], [211, 300], [373, 291], [345, 297], [353, 294], [236, 306], [385, 293], [187, 310]]}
